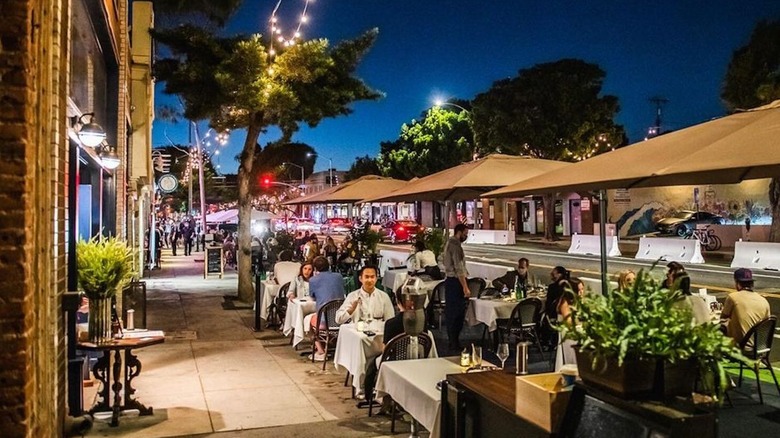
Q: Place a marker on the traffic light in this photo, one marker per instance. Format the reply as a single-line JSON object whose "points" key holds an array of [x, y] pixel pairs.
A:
{"points": [[266, 181]]}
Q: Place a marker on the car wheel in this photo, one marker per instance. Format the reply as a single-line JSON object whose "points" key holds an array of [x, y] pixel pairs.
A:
{"points": [[681, 231]]}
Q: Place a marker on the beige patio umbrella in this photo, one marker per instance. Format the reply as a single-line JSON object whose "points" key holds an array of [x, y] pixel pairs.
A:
{"points": [[352, 191], [727, 150], [469, 180]]}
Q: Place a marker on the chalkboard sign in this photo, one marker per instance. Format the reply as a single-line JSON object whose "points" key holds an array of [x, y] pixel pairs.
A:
{"points": [[213, 265]]}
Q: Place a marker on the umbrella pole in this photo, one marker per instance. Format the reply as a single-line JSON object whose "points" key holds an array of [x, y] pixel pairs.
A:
{"points": [[603, 240]]}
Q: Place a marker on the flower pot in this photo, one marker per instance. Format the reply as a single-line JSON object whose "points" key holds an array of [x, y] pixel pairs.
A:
{"points": [[637, 378], [99, 324]]}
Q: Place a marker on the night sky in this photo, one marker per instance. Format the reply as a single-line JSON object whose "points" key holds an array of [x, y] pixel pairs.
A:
{"points": [[429, 49]]}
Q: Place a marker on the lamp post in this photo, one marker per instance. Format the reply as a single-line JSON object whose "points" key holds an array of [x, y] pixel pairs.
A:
{"points": [[330, 165], [303, 180]]}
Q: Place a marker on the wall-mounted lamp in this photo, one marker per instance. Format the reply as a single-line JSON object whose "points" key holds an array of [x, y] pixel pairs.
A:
{"points": [[90, 134], [108, 157]]}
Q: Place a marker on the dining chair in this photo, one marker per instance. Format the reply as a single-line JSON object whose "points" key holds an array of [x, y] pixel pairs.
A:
{"points": [[326, 329], [760, 336], [274, 317], [476, 285], [523, 323], [280, 304], [436, 306]]}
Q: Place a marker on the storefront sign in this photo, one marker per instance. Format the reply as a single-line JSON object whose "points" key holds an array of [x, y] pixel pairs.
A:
{"points": [[585, 204]]}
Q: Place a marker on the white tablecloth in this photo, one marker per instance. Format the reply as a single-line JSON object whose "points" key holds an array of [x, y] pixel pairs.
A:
{"points": [[354, 349], [394, 279], [488, 311], [486, 271], [392, 258], [294, 321], [412, 384], [270, 290]]}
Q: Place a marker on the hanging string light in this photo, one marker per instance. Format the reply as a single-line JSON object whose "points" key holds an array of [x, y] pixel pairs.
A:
{"points": [[276, 36]]}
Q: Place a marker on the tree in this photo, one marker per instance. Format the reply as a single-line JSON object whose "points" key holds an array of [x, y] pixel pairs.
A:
{"points": [[252, 89], [753, 79], [362, 166], [442, 139], [271, 159], [174, 12], [553, 111]]}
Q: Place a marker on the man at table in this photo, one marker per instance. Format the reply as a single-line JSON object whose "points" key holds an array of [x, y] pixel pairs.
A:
{"points": [[366, 302], [743, 308], [324, 286], [514, 278], [393, 327], [456, 290]]}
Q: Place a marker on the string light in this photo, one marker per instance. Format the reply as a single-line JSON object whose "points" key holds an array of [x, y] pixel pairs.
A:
{"points": [[277, 30]]}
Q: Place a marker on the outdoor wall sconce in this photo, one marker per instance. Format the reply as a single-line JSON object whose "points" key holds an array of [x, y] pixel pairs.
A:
{"points": [[108, 157], [90, 134]]}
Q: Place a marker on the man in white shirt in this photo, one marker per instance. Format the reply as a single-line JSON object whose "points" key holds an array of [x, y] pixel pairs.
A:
{"points": [[366, 300]]}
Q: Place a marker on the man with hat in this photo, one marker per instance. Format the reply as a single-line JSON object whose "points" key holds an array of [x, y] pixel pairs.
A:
{"points": [[744, 308]]}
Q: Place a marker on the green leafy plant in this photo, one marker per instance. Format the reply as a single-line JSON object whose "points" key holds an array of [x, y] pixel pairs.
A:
{"points": [[433, 238], [367, 240], [645, 321], [104, 264], [284, 241]]}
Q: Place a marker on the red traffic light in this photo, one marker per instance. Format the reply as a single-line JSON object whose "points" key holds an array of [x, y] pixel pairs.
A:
{"points": [[266, 181]]}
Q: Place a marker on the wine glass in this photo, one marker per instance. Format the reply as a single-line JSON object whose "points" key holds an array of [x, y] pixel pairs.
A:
{"points": [[503, 353]]}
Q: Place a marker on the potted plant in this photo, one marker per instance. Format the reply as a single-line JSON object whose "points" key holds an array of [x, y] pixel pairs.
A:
{"points": [[367, 240], [638, 342], [433, 238], [104, 264]]}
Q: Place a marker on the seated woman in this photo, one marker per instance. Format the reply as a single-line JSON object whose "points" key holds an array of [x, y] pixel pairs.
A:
{"points": [[564, 354], [331, 250], [696, 304], [299, 287], [422, 260], [626, 279]]}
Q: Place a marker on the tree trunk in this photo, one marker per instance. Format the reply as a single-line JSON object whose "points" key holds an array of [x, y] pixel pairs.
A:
{"points": [[774, 202], [549, 217], [245, 289]]}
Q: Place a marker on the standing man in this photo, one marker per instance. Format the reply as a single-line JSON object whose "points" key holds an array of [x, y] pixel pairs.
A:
{"points": [[456, 290], [743, 308], [186, 232]]}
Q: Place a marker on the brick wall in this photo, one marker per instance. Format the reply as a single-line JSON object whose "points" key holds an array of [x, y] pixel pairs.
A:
{"points": [[33, 146]]}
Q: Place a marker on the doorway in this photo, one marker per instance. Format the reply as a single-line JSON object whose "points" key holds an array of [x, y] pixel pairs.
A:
{"points": [[575, 216]]}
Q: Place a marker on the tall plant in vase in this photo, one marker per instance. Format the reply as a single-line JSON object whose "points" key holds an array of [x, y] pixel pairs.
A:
{"points": [[104, 264]]}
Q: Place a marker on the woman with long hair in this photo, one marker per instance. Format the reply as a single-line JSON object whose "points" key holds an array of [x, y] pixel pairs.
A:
{"points": [[299, 287]]}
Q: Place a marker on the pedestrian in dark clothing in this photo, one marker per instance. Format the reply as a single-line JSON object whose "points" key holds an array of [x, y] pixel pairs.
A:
{"points": [[456, 290], [174, 239], [187, 232]]}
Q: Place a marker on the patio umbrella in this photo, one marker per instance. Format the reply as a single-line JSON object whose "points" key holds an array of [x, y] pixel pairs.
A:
{"points": [[352, 191], [263, 215], [469, 180], [727, 150]]}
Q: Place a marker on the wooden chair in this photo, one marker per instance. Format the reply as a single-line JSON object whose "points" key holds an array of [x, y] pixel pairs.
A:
{"points": [[761, 335], [326, 329]]}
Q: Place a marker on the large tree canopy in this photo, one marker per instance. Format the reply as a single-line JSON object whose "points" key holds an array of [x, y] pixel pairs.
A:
{"points": [[553, 111], [362, 166], [753, 79], [236, 83], [442, 139]]}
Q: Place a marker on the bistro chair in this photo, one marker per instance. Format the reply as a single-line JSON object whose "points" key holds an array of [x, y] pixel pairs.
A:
{"points": [[275, 314], [761, 336], [476, 285], [524, 323], [326, 329], [436, 306], [489, 292], [399, 349]]}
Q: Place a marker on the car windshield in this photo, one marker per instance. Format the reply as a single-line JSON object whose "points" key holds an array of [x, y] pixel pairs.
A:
{"points": [[683, 215]]}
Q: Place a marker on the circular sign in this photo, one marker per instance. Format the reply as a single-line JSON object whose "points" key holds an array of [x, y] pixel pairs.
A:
{"points": [[168, 183]]}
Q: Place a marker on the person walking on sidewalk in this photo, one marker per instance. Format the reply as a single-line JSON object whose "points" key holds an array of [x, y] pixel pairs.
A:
{"points": [[187, 231], [174, 239], [456, 290]]}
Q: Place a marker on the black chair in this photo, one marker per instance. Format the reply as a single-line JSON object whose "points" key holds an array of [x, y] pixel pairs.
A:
{"points": [[326, 329], [489, 292], [760, 336], [524, 323], [476, 285], [275, 319], [399, 349], [436, 306]]}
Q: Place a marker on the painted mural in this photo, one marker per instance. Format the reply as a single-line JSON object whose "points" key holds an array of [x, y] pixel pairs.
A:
{"points": [[636, 211]]}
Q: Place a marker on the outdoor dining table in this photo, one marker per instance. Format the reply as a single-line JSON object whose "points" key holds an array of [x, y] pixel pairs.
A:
{"points": [[294, 320], [412, 384], [354, 349], [488, 311], [269, 291]]}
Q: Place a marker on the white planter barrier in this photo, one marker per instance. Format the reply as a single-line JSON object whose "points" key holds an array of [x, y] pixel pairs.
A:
{"points": [[589, 244], [392, 259], [484, 270], [756, 255], [669, 249]]}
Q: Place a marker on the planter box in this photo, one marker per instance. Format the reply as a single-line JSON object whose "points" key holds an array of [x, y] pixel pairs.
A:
{"points": [[542, 400], [646, 378]]}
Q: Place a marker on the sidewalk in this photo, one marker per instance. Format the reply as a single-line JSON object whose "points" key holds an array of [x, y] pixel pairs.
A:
{"points": [[214, 374]]}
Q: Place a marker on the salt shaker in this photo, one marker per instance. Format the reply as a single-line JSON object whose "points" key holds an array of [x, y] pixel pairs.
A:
{"points": [[130, 319]]}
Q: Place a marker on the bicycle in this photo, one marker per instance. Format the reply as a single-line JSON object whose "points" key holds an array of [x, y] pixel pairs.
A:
{"points": [[709, 240]]}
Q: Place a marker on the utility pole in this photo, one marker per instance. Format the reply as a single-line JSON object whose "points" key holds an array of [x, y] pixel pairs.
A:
{"points": [[189, 197], [659, 102]]}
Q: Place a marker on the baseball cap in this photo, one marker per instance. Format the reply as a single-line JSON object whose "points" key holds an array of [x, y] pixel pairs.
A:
{"points": [[743, 274]]}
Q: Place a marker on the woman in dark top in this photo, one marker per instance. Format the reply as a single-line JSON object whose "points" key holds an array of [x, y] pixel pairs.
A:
{"points": [[559, 276]]}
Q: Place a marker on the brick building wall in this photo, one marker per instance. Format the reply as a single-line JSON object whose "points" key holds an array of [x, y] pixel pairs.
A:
{"points": [[33, 162]]}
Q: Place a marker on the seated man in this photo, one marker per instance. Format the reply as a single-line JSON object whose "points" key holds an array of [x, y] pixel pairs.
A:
{"points": [[285, 270], [366, 302], [393, 327], [324, 286], [743, 308], [518, 276]]}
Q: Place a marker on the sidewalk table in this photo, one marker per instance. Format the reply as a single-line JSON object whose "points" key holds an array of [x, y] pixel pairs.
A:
{"points": [[270, 291], [108, 370], [354, 348], [412, 384], [487, 311], [297, 310]]}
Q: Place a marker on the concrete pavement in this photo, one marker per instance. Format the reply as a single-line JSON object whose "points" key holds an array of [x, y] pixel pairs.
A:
{"points": [[214, 374]]}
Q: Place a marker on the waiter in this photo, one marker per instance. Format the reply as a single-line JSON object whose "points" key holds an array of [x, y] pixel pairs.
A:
{"points": [[456, 289]]}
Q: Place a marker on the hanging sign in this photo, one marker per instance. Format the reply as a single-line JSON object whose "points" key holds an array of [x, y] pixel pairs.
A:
{"points": [[167, 183]]}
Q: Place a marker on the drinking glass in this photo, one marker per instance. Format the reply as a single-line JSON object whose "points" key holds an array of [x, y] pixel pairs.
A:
{"points": [[476, 356], [503, 353]]}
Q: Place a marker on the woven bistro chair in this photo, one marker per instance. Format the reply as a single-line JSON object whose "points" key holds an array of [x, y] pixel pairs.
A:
{"points": [[760, 336], [326, 330], [524, 323]]}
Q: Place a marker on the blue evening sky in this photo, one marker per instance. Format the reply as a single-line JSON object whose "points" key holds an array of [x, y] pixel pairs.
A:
{"points": [[678, 49]]}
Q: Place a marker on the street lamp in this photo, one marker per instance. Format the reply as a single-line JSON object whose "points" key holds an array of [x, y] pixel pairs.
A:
{"points": [[330, 165], [299, 166], [438, 103]]}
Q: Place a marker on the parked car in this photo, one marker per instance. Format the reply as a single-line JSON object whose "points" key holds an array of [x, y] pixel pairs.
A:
{"points": [[684, 222], [400, 231], [336, 225]]}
